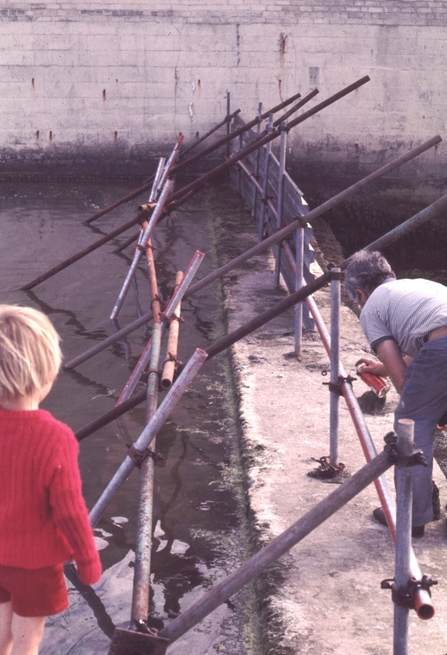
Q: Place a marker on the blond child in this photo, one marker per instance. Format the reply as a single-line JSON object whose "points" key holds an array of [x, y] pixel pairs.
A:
{"points": [[43, 518]]}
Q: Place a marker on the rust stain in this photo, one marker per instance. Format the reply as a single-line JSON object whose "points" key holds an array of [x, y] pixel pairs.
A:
{"points": [[50, 136], [283, 44], [37, 135], [103, 94], [199, 84], [115, 136], [32, 83]]}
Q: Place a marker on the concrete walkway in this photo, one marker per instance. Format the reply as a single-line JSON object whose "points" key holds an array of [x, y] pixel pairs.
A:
{"points": [[329, 600]]}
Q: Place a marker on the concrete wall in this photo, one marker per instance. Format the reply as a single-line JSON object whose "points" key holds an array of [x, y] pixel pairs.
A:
{"points": [[93, 81]]}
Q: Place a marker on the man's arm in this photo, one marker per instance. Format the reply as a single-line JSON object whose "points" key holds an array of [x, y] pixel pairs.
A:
{"points": [[389, 354]]}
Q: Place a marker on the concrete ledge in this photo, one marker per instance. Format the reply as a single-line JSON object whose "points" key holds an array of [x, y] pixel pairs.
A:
{"points": [[329, 600]]}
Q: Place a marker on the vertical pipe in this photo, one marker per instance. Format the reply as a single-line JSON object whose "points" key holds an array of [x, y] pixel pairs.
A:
{"points": [[404, 495], [140, 595], [335, 364], [299, 268], [141, 583], [279, 206], [422, 601], [258, 156], [238, 168], [227, 147], [265, 181]]}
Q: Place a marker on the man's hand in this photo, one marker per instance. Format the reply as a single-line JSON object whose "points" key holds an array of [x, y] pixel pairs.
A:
{"points": [[372, 366]]}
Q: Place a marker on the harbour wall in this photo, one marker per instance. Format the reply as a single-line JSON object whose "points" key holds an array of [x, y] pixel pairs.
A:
{"points": [[109, 86]]}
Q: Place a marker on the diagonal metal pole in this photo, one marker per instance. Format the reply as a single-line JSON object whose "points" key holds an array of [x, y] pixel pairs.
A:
{"points": [[79, 255], [226, 121], [310, 288], [171, 399], [183, 194], [258, 143], [186, 163], [142, 243], [313, 214], [275, 549], [301, 294]]}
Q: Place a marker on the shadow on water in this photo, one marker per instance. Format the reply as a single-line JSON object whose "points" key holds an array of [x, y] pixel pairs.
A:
{"points": [[198, 503]]}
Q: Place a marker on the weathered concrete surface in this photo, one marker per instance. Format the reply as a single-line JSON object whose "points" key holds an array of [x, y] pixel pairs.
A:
{"points": [[330, 600], [91, 85]]}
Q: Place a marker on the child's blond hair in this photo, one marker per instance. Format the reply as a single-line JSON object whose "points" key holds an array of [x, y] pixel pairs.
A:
{"points": [[30, 355]]}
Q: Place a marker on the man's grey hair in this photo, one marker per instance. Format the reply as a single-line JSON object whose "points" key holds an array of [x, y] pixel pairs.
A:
{"points": [[366, 271]]}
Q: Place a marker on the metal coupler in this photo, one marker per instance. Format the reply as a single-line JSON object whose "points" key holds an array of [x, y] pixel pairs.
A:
{"points": [[405, 598]]}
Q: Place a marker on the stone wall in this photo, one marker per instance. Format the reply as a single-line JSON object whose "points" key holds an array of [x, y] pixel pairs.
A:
{"points": [[84, 82]]}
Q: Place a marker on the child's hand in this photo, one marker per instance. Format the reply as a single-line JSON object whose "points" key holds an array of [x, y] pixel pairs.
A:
{"points": [[89, 572]]}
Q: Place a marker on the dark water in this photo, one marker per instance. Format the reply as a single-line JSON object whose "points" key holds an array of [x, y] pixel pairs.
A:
{"points": [[198, 503]]}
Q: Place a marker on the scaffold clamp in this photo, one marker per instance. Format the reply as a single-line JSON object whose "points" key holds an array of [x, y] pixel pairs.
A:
{"points": [[405, 597], [337, 387], [139, 456], [416, 458]]}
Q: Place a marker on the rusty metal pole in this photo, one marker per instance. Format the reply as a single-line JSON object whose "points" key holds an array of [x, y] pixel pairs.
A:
{"points": [[140, 596], [141, 247], [295, 108], [280, 191], [226, 121], [265, 182], [167, 376], [165, 318]]}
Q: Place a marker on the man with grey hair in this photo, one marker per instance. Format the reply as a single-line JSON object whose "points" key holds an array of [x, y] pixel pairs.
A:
{"points": [[405, 322]]}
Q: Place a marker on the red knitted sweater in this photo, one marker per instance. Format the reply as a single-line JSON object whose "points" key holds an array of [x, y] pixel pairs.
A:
{"points": [[43, 516]]}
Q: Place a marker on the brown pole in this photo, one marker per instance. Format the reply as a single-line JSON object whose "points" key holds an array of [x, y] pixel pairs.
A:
{"points": [[167, 375]]}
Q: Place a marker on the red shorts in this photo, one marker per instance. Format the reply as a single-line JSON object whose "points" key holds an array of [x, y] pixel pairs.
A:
{"points": [[34, 592]]}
